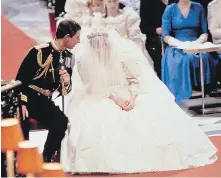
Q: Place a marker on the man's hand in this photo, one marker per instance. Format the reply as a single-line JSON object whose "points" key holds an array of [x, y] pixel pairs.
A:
{"points": [[64, 75], [24, 112], [159, 31]]}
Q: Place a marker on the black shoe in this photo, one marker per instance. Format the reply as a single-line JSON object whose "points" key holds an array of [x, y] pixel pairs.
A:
{"points": [[219, 84], [56, 157], [20, 175], [46, 160], [51, 4], [60, 16]]}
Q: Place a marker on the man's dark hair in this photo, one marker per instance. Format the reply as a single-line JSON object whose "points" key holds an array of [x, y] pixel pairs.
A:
{"points": [[67, 27]]}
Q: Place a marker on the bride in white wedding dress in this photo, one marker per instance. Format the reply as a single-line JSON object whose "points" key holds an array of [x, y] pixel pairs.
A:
{"points": [[122, 117]]}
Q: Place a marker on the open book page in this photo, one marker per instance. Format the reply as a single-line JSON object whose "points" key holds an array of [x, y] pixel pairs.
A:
{"points": [[190, 45]]}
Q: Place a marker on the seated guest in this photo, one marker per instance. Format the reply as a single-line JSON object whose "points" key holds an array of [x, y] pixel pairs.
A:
{"points": [[204, 3], [184, 22]]}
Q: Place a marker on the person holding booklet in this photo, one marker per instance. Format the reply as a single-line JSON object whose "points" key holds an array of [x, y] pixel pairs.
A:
{"points": [[184, 23]]}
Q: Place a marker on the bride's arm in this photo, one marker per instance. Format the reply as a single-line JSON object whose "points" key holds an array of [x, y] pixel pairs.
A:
{"points": [[131, 69], [114, 99], [131, 72]]}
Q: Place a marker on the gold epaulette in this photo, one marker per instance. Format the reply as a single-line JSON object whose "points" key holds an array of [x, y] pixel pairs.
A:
{"points": [[41, 46], [44, 67]]}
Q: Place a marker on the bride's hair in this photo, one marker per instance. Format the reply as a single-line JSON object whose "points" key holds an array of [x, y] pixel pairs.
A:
{"points": [[100, 44], [95, 34], [98, 39]]}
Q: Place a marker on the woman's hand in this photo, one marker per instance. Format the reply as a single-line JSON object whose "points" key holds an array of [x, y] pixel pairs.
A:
{"points": [[124, 104], [131, 104], [121, 103]]}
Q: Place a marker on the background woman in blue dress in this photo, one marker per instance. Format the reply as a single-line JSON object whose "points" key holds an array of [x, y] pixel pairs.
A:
{"points": [[183, 23]]}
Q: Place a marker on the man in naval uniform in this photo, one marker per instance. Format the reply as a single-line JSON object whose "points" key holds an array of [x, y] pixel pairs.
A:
{"points": [[45, 69]]}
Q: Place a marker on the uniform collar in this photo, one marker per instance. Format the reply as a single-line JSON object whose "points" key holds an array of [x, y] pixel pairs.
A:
{"points": [[55, 47]]}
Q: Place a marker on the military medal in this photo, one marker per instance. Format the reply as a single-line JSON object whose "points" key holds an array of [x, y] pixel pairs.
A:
{"points": [[61, 59]]}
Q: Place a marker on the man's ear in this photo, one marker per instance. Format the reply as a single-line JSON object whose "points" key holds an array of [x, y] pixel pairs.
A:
{"points": [[67, 36]]}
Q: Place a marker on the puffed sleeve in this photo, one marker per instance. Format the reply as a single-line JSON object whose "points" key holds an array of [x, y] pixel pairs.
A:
{"points": [[76, 10], [133, 27], [134, 32], [214, 22], [69, 5]]}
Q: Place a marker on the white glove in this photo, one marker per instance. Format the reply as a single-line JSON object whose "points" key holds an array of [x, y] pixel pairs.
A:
{"points": [[186, 45], [202, 39], [174, 42]]}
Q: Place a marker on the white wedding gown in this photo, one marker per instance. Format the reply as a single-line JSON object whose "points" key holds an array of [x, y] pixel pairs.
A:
{"points": [[154, 136]]}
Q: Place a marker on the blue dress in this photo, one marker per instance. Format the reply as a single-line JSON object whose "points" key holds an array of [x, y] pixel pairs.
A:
{"points": [[181, 71]]}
